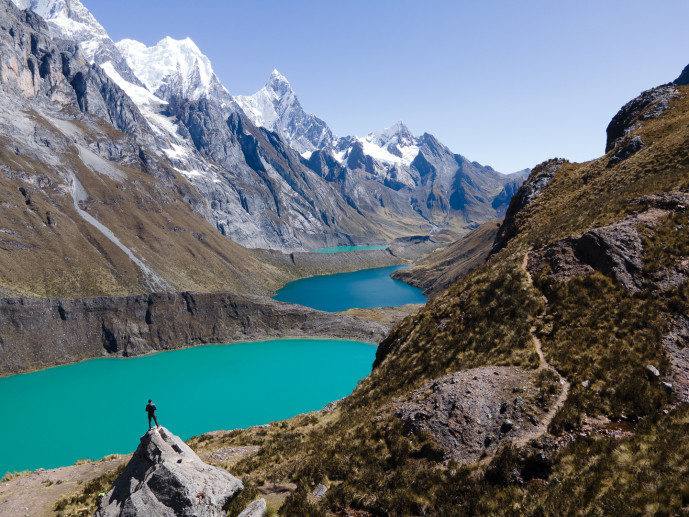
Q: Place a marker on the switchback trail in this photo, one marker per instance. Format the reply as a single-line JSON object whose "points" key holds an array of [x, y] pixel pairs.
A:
{"points": [[542, 426]]}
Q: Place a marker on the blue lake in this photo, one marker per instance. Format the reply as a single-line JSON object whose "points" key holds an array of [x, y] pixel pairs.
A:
{"points": [[339, 249], [54, 417], [364, 289]]}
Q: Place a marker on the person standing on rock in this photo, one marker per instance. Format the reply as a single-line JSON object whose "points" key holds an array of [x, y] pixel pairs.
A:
{"points": [[151, 410]]}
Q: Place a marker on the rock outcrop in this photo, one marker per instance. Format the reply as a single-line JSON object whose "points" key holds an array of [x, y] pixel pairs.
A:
{"points": [[256, 509], [531, 189], [166, 478], [650, 104], [624, 152], [615, 249], [470, 412], [42, 332]]}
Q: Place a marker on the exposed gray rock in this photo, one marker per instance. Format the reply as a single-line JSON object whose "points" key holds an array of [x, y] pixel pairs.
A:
{"points": [[653, 370], [650, 104], [676, 344], [615, 249], [466, 416], [320, 490], [624, 152], [166, 478], [256, 509]]}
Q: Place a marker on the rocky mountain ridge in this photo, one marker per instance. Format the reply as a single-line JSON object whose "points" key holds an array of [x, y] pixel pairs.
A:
{"points": [[287, 185]]}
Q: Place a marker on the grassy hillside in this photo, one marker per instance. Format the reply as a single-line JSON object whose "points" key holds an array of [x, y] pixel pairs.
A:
{"points": [[445, 266]]}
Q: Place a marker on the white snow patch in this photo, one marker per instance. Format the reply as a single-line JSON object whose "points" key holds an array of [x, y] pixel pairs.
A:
{"points": [[340, 156], [148, 104], [191, 173], [177, 152]]}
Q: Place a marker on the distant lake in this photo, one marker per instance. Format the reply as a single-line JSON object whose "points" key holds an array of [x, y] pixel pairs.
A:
{"points": [[364, 289], [54, 417], [338, 249]]}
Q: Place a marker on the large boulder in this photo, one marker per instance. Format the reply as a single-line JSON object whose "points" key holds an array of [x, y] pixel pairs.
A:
{"points": [[166, 478]]}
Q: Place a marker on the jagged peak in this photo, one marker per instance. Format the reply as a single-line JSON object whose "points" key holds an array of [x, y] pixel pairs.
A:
{"points": [[277, 76], [398, 133], [67, 19], [278, 84]]}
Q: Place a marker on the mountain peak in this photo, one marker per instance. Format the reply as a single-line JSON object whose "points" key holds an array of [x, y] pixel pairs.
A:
{"points": [[278, 84], [175, 65], [276, 107], [275, 75], [398, 134], [68, 19]]}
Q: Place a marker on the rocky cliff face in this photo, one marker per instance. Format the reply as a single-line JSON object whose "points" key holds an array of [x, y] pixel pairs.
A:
{"points": [[165, 477], [39, 333]]}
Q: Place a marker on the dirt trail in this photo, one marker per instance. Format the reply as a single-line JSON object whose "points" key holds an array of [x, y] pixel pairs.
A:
{"points": [[542, 426]]}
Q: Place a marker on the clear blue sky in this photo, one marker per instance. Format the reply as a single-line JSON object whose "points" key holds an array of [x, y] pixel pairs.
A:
{"points": [[503, 82]]}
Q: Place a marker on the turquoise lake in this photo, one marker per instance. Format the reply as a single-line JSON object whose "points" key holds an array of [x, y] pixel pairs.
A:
{"points": [[339, 249], [364, 289], [54, 417]]}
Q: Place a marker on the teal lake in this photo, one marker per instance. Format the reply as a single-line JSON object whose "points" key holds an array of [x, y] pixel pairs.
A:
{"points": [[364, 289], [339, 249], [54, 417]]}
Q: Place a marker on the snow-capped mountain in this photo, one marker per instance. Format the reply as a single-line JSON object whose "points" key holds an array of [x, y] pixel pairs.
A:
{"points": [[243, 156], [276, 107], [173, 69], [70, 20]]}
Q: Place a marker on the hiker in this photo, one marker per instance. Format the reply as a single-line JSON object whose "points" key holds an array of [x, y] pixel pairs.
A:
{"points": [[151, 410]]}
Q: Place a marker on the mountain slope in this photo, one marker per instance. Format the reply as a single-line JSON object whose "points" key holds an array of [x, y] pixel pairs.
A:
{"points": [[88, 206], [413, 179], [445, 266], [321, 191]]}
